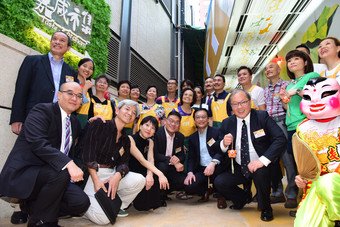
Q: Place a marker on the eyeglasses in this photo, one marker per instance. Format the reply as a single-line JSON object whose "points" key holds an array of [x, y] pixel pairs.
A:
{"points": [[172, 122], [243, 104], [70, 94]]}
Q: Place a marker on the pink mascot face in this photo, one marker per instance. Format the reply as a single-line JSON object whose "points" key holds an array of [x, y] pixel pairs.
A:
{"points": [[321, 98]]}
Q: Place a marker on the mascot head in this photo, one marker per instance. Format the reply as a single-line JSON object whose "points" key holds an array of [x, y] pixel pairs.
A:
{"points": [[321, 98]]}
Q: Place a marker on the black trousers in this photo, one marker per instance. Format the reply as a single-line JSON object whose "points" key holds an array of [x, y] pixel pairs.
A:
{"points": [[54, 195], [200, 186], [176, 179], [227, 185]]}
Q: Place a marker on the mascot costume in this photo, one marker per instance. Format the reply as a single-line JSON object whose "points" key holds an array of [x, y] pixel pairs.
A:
{"points": [[320, 133]]}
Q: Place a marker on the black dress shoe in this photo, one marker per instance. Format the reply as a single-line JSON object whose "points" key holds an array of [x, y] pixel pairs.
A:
{"points": [[19, 217], [43, 224], [267, 215], [221, 203], [163, 203], [204, 198]]}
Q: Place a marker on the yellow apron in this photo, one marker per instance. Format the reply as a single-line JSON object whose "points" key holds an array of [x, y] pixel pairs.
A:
{"points": [[102, 110], [169, 106], [323, 73], [252, 104], [145, 113], [187, 126], [219, 109]]}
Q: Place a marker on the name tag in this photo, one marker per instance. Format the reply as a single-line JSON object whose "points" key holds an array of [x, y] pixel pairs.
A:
{"points": [[259, 133], [211, 142], [178, 149], [69, 79]]}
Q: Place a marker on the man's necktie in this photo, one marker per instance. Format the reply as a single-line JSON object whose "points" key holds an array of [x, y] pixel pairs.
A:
{"points": [[245, 159], [67, 135]]}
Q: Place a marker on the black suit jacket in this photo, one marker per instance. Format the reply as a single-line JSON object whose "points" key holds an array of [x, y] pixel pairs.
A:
{"points": [[35, 85], [161, 143], [270, 145], [213, 149], [38, 144]]}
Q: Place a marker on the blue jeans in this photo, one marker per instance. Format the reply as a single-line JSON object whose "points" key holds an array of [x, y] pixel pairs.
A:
{"points": [[289, 163]]}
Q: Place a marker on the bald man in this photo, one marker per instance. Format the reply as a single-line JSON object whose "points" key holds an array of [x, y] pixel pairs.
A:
{"points": [[277, 112], [39, 171]]}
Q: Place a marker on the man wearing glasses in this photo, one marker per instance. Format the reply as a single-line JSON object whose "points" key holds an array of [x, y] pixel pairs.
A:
{"points": [[39, 171], [169, 153], [258, 141], [205, 159], [39, 79]]}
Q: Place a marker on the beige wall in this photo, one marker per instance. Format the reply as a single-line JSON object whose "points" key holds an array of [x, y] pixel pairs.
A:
{"points": [[116, 8], [12, 54]]}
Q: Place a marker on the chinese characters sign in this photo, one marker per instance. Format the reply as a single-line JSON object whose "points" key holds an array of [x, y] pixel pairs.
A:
{"points": [[66, 16]]}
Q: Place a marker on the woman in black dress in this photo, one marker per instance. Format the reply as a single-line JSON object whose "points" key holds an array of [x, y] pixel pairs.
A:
{"points": [[149, 197]]}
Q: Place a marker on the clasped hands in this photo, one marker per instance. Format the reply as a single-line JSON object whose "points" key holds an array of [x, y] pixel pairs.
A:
{"points": [[174, 160]]}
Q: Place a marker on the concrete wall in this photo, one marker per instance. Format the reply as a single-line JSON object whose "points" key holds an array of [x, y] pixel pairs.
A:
{"points": [[150, 31], [12, 54]]}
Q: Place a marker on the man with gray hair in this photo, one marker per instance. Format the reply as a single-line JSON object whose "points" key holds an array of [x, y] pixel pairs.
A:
{"points": [[253, 141], [106, 154]]}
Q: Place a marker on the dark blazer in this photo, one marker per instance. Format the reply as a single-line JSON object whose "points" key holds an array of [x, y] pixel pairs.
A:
{"points": [[194, 149], [38, 144], [35, 85], [270, 145], [160, 146]]}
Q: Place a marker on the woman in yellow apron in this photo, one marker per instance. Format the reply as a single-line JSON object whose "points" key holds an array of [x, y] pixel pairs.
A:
{"points": [[150, 107], [99, 104]]}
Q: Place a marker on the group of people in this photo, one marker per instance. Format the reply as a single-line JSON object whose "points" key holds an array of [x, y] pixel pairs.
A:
{"points": [[74, 139]]}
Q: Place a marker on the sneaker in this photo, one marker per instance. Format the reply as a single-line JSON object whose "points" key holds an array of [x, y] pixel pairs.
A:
{"points": [[122, 213], [291, 203]]}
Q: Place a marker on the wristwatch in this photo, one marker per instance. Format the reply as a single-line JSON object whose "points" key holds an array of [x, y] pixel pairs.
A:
{"points": [[298, 91]]}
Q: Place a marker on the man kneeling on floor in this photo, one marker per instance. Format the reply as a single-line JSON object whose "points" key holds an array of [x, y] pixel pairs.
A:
{"points": [[257, 140], [39, 170]]}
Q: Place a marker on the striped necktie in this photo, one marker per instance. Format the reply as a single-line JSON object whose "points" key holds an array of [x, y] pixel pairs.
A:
{"points": [[67, 135]]}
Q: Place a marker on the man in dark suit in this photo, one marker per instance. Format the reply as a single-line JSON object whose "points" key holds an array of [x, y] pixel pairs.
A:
{"points": [[205, 157], [39, 79], [38, 170], [169, 152], [258, 141]]}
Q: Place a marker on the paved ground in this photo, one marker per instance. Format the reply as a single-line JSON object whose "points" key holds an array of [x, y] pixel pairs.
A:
{"points": [[190, 213]]}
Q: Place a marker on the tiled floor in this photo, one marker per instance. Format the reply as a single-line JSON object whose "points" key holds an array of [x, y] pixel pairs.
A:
{"points": [[190, 213]]}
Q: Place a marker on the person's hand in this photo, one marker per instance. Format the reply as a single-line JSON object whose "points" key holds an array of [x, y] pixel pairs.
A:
{"points": [[163, 182], [254, 165], [149, 181], [179, 167], [292, 92], [209, 170], [174, 160], [113, 185], [76, 174], [190, 179], [88, 84], [301, 183], [16, 127], [98, 185], [92, 119], [227, 140]]}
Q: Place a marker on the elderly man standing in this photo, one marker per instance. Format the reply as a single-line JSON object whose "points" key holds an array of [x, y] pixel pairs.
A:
{"points": [[277, 112], [258, 141], [38, 170]]}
